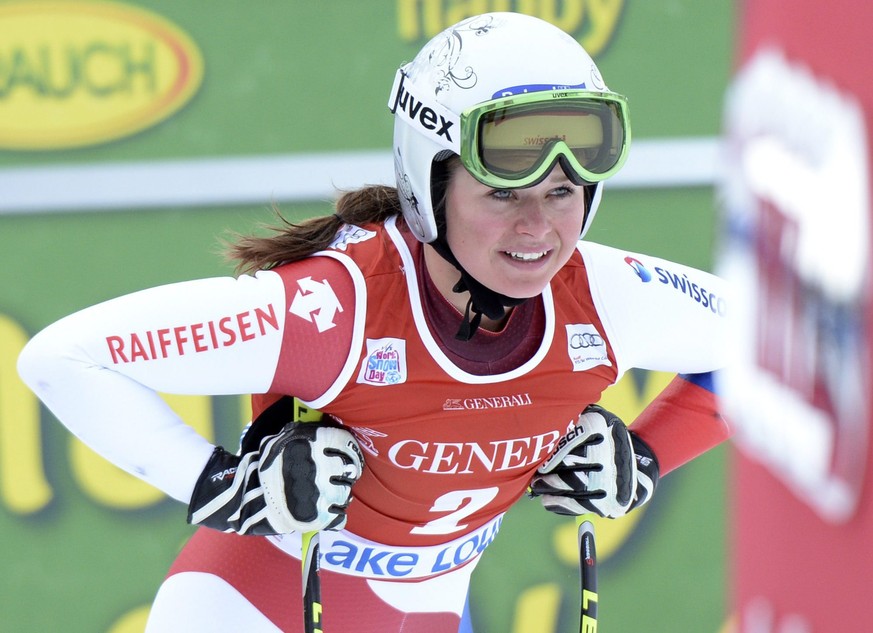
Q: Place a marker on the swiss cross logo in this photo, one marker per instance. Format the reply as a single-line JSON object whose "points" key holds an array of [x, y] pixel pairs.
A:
{"points": [[316, 302]]}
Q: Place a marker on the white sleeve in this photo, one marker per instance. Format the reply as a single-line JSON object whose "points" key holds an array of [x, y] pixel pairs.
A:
{"points": [[658, 315], [100, 370]]}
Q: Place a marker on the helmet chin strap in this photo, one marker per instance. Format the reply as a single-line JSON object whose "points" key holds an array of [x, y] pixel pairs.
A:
{"points": [[483, 300]]}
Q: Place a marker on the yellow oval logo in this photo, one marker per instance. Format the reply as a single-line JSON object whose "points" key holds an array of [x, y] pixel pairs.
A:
{"points": [[82, 73]]}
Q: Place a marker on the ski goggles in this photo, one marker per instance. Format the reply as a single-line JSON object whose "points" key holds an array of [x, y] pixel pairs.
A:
{"points": [[515, 141]]}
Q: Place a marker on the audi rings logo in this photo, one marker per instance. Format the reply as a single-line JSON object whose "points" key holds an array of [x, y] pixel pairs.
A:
{"points": [[586, 347], [582, 340], [641, 271]]}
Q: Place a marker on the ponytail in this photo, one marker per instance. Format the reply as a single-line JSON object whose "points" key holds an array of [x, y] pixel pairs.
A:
{"points": [[291, 241]]}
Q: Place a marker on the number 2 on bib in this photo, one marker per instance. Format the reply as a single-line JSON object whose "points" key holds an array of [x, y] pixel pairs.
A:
{"points": [[459, 504]]}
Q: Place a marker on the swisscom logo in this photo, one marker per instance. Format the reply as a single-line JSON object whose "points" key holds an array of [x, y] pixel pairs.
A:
{"points": [[81, 73], [641, 271]]}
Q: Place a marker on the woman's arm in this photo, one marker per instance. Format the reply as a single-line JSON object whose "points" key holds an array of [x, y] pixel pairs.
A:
{"points": [[100, 370], [683, 421], [664, 316]]}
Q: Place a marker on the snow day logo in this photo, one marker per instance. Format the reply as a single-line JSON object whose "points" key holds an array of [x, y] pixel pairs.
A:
{"points": [[385, 363]]}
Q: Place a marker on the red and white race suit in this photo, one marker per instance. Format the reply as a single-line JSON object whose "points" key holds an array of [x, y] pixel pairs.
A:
{"points": [[451, 439]]}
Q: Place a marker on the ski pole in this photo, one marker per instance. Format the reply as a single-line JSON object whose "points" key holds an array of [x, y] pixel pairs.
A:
{"points": [[311, 584], [587, 577]]}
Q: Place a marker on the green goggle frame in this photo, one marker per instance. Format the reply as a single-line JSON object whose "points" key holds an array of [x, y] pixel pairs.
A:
{"points": [[515, 141]]}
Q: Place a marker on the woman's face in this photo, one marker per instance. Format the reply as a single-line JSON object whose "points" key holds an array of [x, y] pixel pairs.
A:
{"points": [[513, 240]]}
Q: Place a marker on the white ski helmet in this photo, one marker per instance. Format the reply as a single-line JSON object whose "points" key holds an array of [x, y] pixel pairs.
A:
{"points": [[477, 60]]}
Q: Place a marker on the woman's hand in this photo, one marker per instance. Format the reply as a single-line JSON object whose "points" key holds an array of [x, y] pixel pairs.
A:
{"points": [[598, 467], [299, 480]]}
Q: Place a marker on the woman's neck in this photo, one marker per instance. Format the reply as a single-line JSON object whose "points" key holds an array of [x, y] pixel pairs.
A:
{"points": [[444, 276]]}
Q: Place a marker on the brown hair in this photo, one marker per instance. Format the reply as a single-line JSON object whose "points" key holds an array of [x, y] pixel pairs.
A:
{"points": [[372, 204], [291, 241]]}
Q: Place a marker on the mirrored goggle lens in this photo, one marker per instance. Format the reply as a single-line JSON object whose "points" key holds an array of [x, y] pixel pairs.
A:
{"points": [[513, 142]]}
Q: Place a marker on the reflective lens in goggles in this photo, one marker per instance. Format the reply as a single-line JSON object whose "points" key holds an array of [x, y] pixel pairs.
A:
{"points": [[515, 141]]}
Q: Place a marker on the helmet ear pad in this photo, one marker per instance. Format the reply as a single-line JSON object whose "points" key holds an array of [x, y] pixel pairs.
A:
{"points": [[593, 194], [414, 157], [440, 175]]}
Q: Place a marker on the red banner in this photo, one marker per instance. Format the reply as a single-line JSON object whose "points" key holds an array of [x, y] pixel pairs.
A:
{"points": [[798, 122]]}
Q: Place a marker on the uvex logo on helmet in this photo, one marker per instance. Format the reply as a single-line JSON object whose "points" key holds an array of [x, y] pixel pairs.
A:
{"points": [[434, 120]]}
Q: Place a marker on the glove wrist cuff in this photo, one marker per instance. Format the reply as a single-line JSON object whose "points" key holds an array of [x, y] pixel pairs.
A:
{"points": [[216, 477], [644, 452]]}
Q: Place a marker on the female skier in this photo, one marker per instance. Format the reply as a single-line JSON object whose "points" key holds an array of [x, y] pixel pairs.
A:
{"points": [[453, 331]]}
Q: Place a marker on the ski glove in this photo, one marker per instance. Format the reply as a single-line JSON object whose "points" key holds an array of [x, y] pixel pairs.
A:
{"points": [[299, 480], [598, 467]]}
